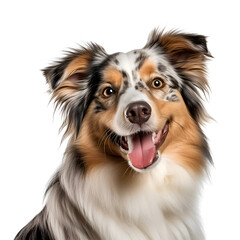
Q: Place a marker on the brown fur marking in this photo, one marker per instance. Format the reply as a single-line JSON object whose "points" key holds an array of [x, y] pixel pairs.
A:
{"points": [[183, 143], [113, 76], [79, 64], [147, 69]]}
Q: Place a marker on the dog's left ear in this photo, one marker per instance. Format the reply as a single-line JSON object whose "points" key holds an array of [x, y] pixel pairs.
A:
{"points": [[187, 53], [184, 47]]}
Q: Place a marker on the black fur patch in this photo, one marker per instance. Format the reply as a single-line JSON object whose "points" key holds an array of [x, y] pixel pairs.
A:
{"points": [[125, 86], [124, 74], [191, 99], [205, 147], [140, 86], [114, 137], [116, 61], [56, 72], [161, 68], [99, 106], [199, 41], [140, 59], [37, 229], [171, 96], [173, 82], [153, 40]]}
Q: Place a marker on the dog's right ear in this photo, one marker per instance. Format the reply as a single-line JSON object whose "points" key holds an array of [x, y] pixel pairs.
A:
{"points": [[73, 67], [71, 80]]}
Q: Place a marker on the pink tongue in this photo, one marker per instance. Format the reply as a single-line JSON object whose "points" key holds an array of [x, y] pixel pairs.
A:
{"points": [[143, 151]]}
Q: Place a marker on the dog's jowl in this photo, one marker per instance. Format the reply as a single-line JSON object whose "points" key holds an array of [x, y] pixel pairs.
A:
{"points": [[136, 155]]}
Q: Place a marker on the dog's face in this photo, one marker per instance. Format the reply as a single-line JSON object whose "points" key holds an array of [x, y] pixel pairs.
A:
{"points": [[126, 103], [134, 104]]}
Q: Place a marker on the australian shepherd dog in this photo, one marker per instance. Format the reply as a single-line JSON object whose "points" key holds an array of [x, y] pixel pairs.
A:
{"points": [[136, 155]]}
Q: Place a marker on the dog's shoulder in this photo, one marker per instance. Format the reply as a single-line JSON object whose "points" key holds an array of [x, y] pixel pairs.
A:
{"points": [[36, 229]]}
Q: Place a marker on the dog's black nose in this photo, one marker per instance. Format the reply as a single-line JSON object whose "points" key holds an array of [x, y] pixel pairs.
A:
{"points": [[138, 112]]}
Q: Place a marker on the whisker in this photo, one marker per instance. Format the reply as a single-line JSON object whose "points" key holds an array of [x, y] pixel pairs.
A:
{"points": [[102, 138], [128, 168], [174, 122], [108, 143], [178, 124], [104, 146]]}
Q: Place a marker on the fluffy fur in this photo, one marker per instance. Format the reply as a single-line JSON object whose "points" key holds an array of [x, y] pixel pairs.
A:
{"points": [[102, 191]]}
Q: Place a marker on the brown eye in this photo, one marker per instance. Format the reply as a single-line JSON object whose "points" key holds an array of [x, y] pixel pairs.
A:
{"points": [[108, 91], [157, 83]]}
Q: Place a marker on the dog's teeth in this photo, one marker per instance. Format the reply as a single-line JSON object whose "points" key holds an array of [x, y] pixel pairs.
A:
{"points": [[153, 136]]}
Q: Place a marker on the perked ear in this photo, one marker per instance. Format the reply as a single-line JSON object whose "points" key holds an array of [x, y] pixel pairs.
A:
{"points": [[188, 54], [70, 83]]}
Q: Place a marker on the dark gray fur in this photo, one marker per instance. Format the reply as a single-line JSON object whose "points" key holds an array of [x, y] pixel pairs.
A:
{"points": [[124, 74], [140, 59], [125, 86], [116, 61], [171, 96], [173, 83], [99, 107], [140, 86], [37, 229], [161, 68]]}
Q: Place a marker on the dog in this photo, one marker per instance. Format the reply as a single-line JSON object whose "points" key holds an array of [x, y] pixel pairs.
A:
{"points": [[136, 154]]}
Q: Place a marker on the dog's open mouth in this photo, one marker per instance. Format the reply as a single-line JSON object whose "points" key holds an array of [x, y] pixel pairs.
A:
{"points": [[141, 147]]}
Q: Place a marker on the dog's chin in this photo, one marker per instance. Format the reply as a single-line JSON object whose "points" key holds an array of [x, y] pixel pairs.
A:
{"points": [[141, 148]]}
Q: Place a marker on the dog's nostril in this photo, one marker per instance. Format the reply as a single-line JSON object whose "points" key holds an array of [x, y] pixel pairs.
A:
{"points": [[138, 112], [132, 113], [145, 111]]}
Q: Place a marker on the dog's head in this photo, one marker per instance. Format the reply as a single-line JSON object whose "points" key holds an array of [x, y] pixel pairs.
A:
{"points": [[136, 105]]}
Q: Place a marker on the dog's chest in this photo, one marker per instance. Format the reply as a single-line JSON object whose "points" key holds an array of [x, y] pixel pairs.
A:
{"points": [[156, 210]]}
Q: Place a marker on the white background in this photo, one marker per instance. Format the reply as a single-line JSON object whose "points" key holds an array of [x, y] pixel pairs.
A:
{"points": [[32, 34]]}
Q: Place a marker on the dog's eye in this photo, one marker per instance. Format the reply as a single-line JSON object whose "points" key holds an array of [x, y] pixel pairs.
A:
{"points": [[157, 83], [108, 91]]}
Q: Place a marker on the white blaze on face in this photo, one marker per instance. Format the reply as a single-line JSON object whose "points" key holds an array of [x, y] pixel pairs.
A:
{"points": [[121, 125], [127, 64]]}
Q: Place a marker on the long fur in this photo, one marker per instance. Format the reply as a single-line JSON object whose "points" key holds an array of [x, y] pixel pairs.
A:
{"points": [[97, 194]]}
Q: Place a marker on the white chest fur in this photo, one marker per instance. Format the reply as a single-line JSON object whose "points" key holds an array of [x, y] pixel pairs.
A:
{"points": [[161, 206]]}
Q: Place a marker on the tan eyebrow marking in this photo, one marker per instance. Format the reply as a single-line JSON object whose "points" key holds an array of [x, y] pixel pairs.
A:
{"points": [[147, 69], [113, 76]]}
